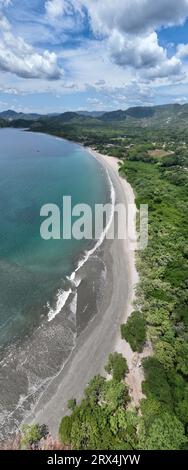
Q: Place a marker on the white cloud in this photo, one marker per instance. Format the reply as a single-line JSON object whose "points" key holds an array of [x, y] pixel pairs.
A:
{"points": [[8, 90], [182, 50], [55, 8], [143, 53], [4, 24], [181, 100], [96, 103], [135, 16], [130, 16], [5, 3], [139, 52], [122, 65], [130, 27], [18, 57], [58, 8]]}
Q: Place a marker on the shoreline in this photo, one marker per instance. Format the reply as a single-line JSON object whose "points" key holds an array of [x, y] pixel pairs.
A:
{"points": [[88, 357], [135, 375]]}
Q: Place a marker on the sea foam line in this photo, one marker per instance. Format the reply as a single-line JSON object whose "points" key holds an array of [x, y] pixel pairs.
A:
{"points": [[63, 296]]}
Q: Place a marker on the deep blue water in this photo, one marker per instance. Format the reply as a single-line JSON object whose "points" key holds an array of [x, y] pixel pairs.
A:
{"points": [[37, 169]]}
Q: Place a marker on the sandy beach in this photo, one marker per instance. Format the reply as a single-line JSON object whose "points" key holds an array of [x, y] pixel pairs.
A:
{"points": [[102, 334]]}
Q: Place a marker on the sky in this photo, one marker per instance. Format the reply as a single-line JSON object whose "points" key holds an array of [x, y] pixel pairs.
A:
{"points": [[59, 55]]}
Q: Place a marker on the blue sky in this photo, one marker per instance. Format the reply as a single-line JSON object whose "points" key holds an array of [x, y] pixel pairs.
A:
{"points": [[58, 55]]}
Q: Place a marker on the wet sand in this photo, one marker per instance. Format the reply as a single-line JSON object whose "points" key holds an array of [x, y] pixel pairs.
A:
{"points": [[102, 334]]}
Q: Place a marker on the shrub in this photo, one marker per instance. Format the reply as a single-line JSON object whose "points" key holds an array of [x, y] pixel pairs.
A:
{"points": [[117, 366], [72, 404], [31, 434], [65, 429], [134, 331]]}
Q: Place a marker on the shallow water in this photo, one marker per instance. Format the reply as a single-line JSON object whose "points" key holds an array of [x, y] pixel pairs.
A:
{"points": [[36, 169]]}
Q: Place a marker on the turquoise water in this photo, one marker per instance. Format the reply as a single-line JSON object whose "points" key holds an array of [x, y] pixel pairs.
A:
{"points": [[37, 169]]}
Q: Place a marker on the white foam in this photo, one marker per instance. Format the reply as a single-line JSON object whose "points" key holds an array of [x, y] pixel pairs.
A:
{"points": [[63, 296], [73, 304]]}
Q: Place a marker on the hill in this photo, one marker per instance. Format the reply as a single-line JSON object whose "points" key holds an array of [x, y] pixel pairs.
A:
{"points": [[11, 115]]}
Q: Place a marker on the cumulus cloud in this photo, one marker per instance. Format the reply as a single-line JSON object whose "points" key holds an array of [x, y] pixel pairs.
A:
{"points": [[135, 16], [130, 16], [18, 57], [130, 27], [143, 53], [136, 51]]}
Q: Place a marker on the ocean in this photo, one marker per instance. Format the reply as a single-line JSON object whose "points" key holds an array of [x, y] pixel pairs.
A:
{"points": [[49, 289]]}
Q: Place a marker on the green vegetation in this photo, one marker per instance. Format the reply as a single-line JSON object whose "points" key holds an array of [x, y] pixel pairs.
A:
{"points": [[117, 366], [165, 433], [152, 145], [31, 434], [134, 331], [103, 419], [163, 294], [72, 404]]}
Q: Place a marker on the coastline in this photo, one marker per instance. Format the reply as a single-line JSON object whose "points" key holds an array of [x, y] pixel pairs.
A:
{"points": [[135, 375], [102, 334], [32, 362]]}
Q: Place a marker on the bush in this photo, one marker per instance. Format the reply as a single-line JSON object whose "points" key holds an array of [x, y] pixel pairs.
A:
{"points": [[72, 404], [65, 429], [117, 366], [31, 434], [134, 331], [156, 384]]}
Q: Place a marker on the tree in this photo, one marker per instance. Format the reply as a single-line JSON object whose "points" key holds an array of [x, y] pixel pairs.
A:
{"points": [[165, 433], [117, 366], [181, 348], [65, 429], [165, 353], [115, 394], [94, 390], [90, 429], [156, 384], [125, 423], [134, 331], [150, 409]]}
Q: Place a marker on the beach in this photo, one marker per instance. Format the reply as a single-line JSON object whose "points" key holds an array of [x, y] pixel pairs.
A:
{"points": [[102, 334]]}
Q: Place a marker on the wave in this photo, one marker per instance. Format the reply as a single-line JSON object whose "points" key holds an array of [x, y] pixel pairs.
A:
{"points": [[62, 296]]}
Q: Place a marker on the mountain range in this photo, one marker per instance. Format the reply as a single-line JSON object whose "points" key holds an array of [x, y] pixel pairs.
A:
{"points": [[163, 115]]}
